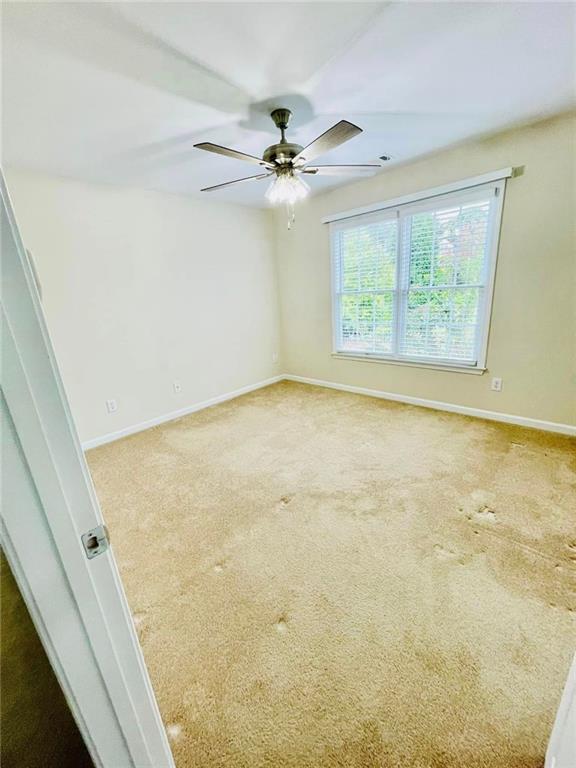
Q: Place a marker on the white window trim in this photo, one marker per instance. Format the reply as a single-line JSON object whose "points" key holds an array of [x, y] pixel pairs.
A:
{"points": [[496, 181], [436, 365], [414, 197]]}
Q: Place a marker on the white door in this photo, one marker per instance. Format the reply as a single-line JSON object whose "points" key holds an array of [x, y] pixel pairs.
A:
{"points": [[76, 602], [561, 752]]}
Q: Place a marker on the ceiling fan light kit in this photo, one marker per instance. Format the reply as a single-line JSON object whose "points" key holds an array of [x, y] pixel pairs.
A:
{"points": [[287, 162], [287, 188]]}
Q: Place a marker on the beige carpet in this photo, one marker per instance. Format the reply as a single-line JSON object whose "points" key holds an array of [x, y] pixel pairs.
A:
{"points": [[323, 579]]}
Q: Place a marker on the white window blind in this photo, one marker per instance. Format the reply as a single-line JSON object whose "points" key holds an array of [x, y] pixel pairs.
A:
{"points": [[365, 271], [413, 283]]}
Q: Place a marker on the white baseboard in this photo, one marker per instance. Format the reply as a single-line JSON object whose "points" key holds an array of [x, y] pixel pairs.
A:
{"points": [[111, 436], [507, 418]]}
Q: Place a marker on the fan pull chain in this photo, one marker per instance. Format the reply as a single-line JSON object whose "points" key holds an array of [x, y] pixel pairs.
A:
{"points": [[291, 214]]}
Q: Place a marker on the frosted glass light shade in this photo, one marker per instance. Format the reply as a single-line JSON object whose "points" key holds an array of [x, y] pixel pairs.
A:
{"points": [[287, 188]]}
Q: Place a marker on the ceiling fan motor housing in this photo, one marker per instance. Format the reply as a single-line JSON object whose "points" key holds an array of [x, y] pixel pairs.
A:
{"points": [[281, 153]]}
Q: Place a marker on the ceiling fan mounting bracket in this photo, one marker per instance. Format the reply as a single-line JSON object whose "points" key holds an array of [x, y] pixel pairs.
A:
{"points": [[281, 117]]}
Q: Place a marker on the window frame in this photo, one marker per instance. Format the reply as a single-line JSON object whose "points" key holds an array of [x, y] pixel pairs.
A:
{"points": [[402, 211]]}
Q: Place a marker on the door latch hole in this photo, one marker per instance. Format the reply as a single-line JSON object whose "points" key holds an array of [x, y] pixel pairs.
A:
{"points": [[95, 541]]}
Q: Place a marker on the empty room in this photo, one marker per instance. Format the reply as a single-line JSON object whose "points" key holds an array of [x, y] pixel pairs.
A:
{"points": [[288, 385]]}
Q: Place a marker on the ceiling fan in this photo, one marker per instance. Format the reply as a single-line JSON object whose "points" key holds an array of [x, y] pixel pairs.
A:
{"points": [[288, 162]]}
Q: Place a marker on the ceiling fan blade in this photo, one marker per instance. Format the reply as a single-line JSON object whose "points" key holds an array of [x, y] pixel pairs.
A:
{"points": [[236, 181], [130, 50], [341, 170], [209, 147], [330, 139]]}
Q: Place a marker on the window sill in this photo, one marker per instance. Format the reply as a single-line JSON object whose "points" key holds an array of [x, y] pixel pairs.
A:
{"points": [[475, 370]]}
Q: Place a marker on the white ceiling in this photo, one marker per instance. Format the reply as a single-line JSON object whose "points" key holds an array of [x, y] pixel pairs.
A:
{"points": [[119, 92]]}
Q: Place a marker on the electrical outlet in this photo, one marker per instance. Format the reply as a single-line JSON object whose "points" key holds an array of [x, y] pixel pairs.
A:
{"points": [[496, 385], [177, 386], [274, 357], [111, 406]]}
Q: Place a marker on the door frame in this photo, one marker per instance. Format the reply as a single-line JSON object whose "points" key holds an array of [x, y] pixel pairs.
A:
{"points": [[77, 604]]}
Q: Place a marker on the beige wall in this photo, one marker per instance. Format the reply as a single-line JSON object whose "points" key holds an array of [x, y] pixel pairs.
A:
{"points": [[141, 289], [533, 333]]}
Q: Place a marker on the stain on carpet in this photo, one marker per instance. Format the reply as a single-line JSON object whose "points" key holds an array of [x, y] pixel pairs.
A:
{"points": [[342, 581]]}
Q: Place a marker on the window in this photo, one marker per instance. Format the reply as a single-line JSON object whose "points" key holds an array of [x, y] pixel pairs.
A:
{"points": [[413, 283]]}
